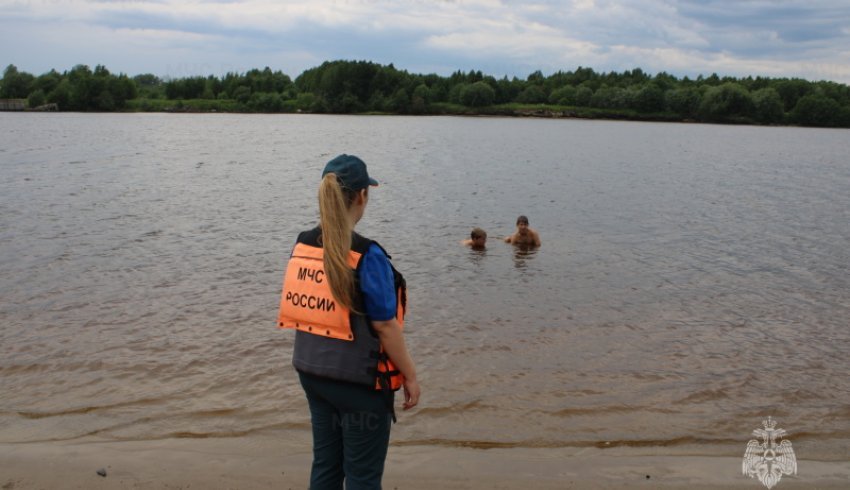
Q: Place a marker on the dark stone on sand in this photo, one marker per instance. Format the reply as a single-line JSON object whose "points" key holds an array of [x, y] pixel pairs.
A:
{"points": [[102, 472]]}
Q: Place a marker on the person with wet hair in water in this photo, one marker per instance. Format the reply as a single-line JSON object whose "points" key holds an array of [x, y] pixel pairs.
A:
{"points": [[524, 237], [477, 239]]}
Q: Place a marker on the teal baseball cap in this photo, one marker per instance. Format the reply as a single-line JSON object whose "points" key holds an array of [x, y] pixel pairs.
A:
{"points": [[350, 171]]}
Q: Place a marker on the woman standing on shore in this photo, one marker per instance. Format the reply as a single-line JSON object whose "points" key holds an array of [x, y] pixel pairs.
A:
{"points": [[346, 302]]}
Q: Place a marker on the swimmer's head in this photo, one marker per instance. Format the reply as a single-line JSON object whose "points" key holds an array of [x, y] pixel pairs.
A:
{"points": [[522, 224], [479, 237]]}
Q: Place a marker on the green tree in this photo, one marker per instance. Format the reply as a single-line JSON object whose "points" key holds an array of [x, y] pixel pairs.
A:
{"points": [[241, 94], [15, 84], [507, 90], [268, 81], [61, 95], [83, 88], [478, 94], [533, 94], [836, 91], [712, 80], [149, 86], [611, 98], [649, 98], [665, 81], [378, 102], [193, 87], [586, 77], [36, 99], [683, 101], [816, 110], [265, 102], [102, 98], [305, 101], [565, 95], [726, 101], [421, 99], [423, 92], [437, 86], [584, 94], [634, 77], [349, 103], [147, 80], [791, 90], [768, 106], [104, 101], [400, 101], [349, 86], [208, 93], [47, 82], [122, 88], [535, 78], [455, 91]]}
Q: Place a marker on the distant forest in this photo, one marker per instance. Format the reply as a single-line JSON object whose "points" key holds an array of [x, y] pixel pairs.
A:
{"points": [[362, 87]]}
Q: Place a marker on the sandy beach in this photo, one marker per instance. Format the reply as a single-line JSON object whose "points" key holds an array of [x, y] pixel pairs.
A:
{"points": [[282, 460]]}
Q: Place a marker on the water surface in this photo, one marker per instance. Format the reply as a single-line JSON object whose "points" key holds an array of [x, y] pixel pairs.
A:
{"points": [[693, 279]]}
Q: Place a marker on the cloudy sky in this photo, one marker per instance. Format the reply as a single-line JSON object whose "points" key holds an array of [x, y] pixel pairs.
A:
{"points": [[171, 38]]}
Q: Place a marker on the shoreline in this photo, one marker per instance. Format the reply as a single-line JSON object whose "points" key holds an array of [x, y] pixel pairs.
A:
{"points": [[529, 114], [281, 460], [543, 111]]}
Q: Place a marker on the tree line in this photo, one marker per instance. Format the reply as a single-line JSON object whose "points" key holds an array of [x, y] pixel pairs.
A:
{"points": [[367, 87]]}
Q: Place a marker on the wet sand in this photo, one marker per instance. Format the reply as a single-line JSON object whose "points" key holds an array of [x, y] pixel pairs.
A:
{"points": [[282, 461]]}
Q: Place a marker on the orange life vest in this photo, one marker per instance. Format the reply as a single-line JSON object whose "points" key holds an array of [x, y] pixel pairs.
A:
{"points": [[331, 340]]}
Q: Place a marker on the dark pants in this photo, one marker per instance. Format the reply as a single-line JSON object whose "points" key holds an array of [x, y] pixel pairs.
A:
{"points": [[351, 432]]}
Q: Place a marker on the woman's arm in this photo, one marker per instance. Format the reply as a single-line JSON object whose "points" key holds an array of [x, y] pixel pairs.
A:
{"points": [[392, 339], [377, 285]]}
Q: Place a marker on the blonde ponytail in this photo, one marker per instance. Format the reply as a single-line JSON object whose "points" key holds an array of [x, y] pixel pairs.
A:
{"points": [[336, 239]]}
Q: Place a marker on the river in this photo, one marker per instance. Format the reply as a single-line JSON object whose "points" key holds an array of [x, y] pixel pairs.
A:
{"points": [[693, 279]]}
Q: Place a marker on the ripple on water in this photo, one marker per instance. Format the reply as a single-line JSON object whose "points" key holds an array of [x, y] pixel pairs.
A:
{"points": [[670, 303]]}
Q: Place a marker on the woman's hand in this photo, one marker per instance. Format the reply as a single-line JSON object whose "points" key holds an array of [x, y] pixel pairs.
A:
{"points": [[411, 393]]}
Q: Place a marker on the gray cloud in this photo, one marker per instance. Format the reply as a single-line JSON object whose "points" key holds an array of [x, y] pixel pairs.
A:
{"points": [[791, 21], [684, 37]]}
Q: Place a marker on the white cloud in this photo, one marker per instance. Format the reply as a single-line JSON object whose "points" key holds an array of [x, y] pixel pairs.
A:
{"points": [[789, 38], [682, 61], [532, 41]]}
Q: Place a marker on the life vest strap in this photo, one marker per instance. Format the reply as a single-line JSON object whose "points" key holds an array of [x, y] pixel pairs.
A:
{"points": [[386, 389]]}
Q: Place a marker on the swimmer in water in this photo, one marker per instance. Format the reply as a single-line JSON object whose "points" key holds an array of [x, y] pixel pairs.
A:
{"points": [[477, 239], [524, 236]]}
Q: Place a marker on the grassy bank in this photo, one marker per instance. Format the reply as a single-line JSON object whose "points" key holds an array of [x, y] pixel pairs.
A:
{"points": [[202, 105], [442, 108]]}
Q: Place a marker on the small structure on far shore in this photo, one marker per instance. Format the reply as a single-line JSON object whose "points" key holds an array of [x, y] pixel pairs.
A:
{"points": [[52, 107], [21, 105], [13, 104]]}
